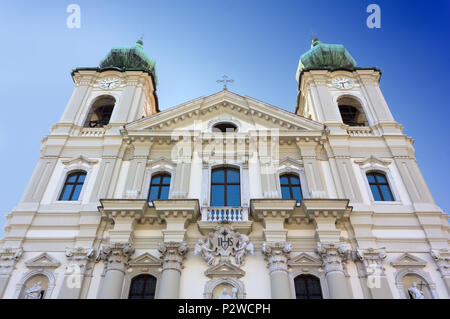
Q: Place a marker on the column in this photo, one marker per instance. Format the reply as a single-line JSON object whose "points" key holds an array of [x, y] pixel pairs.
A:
{"points": [[116, 256], [8, 259], [78, 259], [333, 255], [371, 272], [172, 255], [277, 256]]}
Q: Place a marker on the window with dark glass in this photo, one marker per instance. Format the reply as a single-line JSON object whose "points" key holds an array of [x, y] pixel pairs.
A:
{"points": [[225, 187], [142, 287], [224, 127], [290, 187], [72, 187], [379, 186], [307, 287], [159, 187]]}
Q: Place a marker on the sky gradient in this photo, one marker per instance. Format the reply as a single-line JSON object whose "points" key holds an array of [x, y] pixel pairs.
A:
{"points": [[195, 42]]}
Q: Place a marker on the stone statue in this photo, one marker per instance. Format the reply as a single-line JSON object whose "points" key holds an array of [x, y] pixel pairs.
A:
{"points": [[35, 292], [234, 292], [245, 247], [414, 292], [224, 294], [202, 249]]}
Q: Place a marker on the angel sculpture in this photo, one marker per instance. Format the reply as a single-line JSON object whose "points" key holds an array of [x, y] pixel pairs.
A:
{"points": [[202, 249], [245, 247]]}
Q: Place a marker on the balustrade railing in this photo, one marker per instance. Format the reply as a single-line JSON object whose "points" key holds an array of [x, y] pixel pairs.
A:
{"points": [[230, 214]]}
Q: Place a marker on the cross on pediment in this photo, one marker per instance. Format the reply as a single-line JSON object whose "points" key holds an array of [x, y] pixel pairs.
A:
{"points": [[225, 80]]}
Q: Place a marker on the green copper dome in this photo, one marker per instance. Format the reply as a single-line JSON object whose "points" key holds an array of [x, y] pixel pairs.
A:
{"points": [[130, 58], [325, 56]]}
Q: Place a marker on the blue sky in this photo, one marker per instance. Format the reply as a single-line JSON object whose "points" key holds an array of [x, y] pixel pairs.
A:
{"points": [[195, 42]]}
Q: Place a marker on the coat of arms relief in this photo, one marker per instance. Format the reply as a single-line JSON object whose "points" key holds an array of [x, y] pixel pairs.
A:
{"points": [[224, 243], [219, 250]]}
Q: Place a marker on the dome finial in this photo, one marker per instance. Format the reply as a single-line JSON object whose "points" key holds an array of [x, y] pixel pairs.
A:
{"points": [[140, 41], [314, 40]]}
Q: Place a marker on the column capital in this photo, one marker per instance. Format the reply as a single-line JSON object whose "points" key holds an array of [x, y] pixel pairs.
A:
{"points": [[442, 259], [172, 255], [277, 255], [333, 255], [79, 256], [372, 259], [116, 255], [8, 259]]}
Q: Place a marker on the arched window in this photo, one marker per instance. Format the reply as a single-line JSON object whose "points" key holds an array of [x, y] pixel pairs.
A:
{"points": [[224, 127], [142, 287], [351, 111], [379, 186], [100, 112], [290, 187], [73, 185], [307, 287], [159, 187], [225, 187]]}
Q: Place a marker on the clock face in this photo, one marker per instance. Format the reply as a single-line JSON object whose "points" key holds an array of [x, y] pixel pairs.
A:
{"points": [[343, 83], [109, 83]]}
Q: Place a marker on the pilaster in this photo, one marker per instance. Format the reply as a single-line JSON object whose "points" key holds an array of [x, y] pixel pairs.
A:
{"points": [[442, 260], [78, 259], [371, 272], [8, 260]]}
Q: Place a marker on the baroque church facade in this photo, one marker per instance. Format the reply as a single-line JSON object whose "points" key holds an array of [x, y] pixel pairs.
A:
{"points": [[226, 196]]}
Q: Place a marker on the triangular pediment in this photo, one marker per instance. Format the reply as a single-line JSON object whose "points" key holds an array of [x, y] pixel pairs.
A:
{"points": [[43, 260], [290, 162], [250, 112], [145, 260], [408, 260], [373, 160], [162, 162], [305, 260], [224, 269], [79, 159]]}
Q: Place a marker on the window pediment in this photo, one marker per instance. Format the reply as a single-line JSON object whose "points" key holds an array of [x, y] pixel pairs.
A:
{"points": [[373, 160], [42, 261], [145, 260], [305, 260], [408, 260], [79, 160]]}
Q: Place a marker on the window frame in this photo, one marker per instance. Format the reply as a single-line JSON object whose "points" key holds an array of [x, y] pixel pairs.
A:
{"points": [[378, 184], [162, 174], [74, 185], [290, 185], [306, 277], [225, 167], [143, 275], [289, 168]]}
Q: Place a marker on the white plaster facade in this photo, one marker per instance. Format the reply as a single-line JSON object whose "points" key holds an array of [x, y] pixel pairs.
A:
{"points": [[334, 234]]}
